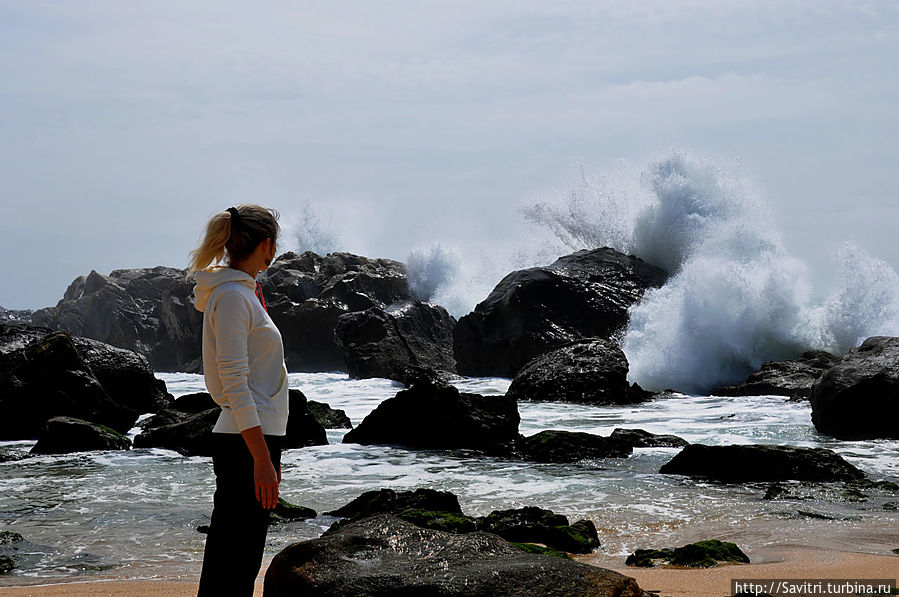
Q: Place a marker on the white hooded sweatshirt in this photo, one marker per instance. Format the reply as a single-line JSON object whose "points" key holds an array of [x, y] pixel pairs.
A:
{"points": [[243, 356]]}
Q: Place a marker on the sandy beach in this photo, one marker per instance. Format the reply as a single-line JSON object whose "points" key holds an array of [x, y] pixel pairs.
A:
{"points": [[666, 582]]}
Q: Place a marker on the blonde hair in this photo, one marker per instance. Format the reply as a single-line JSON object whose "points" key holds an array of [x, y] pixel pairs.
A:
{"points": [[235, 233]]}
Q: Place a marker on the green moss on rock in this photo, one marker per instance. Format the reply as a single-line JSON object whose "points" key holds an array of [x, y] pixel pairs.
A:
{"points": [[439, 521], [539, 549]]}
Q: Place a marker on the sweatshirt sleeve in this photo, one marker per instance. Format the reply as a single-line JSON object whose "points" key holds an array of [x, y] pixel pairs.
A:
{"points": [[232, 320]]}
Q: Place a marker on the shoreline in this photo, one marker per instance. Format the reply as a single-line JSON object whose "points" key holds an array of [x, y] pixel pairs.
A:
{"points": [[785, 562]]}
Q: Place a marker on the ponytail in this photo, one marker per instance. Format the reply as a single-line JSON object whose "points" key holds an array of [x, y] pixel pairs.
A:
{"points": [[236, 233]]}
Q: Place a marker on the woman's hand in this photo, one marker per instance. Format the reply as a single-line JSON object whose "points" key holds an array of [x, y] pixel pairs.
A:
{"points": [[265, 477]]}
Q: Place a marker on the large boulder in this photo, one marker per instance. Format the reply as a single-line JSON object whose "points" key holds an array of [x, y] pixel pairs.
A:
{"points": [[388, 501], [640, 438], [385, 342], [63, 435], [570, 446], [538, 525], [582, 295], [428, 416], [187, 427], [735, 464], [386, 556], [590, 371], [44, 374], [793, 378], [858, 398]]}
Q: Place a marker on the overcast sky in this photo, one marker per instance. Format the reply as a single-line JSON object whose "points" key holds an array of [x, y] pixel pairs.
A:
{"points": [[125, 125]]}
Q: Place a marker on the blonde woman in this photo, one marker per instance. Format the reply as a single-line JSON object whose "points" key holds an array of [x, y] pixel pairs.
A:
{"points": [[243, 363]]}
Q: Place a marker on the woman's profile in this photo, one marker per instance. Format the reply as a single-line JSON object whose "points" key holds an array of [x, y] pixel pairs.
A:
{"points": [[243, 365]]}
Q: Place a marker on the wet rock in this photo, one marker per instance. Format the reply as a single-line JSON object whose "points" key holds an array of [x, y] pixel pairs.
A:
{"points": [[6, 565], [440, 417], [303, 429], [193, 404], [44, 374], [570, 446], [284, 511], [532, 311], [793, 378], [21, 316], [592, 371], [536, 525], [8, 455], [383, 555], [638, 438], [384, 342], [858, 398], [62, 435], [702, 554], [327, 417], [388, 501], [734, 464]]}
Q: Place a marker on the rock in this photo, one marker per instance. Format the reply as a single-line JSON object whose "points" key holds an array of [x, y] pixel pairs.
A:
{"points": [[383, 556], [383, 342], [6, 565], [188, 430], [532, 311], [896, 551], [22, 316], [570, 446], [793, 378], [63, 435], [592, 371], [858, 398], [536, 525], [413, 374], [440, 417], [638, 438], [147, 310], [43, 375], [284, 511], [702, 554], [734, 464], [7, 455], [327, 417], [388, 501], [448, 522], [302, 428]]}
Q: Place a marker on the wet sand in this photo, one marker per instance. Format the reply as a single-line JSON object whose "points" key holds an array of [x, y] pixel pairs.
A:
{"points": [[667, 582]]}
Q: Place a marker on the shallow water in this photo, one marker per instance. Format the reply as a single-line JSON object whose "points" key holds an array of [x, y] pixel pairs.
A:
{"points": [[135, 513]]}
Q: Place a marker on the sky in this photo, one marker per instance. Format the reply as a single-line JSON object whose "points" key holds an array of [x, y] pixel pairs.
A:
{"points": [[400, 125]]}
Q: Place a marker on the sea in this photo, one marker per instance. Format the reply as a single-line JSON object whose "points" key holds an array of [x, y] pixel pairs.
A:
{"points": [[135, 514]]}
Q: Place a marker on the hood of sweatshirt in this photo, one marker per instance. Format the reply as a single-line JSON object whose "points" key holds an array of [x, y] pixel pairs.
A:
{"points": [[209, 279]]}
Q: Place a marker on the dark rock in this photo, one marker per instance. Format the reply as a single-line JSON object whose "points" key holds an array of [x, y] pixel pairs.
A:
{"points": [[6, 565], [9, 537], [384, 556], [638, 438], [858, 398], [702, 554], [302, 428], [9, 542], [383, 342], [188, 430], [388, 501], [285, 511], [7, 455], [793, 378], [43, 374], [896, 551], [530, 312], [539, 549], [592, 371], [22, 316], [448, 522], [570, 446], [327, 417], [419, 374], [63, 435], [733, 464], [440, 417], [536, 525]]}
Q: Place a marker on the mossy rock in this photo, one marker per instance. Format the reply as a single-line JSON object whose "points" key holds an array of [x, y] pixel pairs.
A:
{"points": [[706, 554], [649, 558], [891, 506], [539, 549], [6, 564], [287, 511], [450, 522], [581, 537], [896, 551]]}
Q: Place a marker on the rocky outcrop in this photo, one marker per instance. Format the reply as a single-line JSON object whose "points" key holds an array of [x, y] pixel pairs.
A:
{"points": [[532, 311], [702, 554], [384, 555], [21, 316], [388, 501], [638, 438], [186, 427], [63, 435], [537, 525], [793, 378], [570, 446], [44, 374], [735, 464], [327, 417], [147, 310], [592, 371], [384, 342], [428, 416], [858, 398]]}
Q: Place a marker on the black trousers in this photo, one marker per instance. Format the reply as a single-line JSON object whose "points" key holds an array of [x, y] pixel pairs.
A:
{"points": [[236, 538]]}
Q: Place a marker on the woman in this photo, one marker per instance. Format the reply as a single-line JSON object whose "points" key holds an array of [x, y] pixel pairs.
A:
{"points": [[243, 363]]}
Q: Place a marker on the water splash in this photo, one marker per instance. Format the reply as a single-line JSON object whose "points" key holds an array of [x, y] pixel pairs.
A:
{"points": [[431, 269], [308, 233]]}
